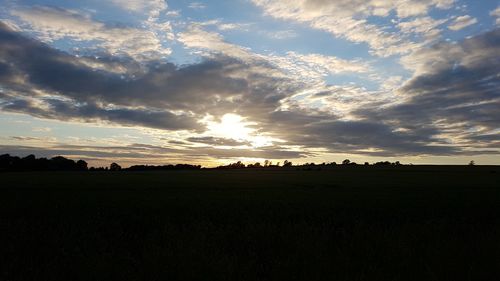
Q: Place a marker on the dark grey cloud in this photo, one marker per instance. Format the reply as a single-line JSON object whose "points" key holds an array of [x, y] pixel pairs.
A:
{"points": [[87, 112], [457, 93], [217, 141], [21, 138], [216, 86], [198, 87], [359, 136]]}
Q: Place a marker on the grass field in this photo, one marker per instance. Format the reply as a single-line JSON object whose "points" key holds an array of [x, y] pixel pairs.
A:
{"points": [[344, 223]]}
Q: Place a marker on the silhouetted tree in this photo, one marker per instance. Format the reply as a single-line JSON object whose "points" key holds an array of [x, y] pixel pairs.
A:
{"points": [[472, 163], [28, 162], [382, 163], [163, 167], [237, 165], [81, 165], [115, 167], [346, 162], [287, 163], [62, 163]]}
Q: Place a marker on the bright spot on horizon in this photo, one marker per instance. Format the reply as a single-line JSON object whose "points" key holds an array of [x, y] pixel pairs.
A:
{"points": [[233, 126]]}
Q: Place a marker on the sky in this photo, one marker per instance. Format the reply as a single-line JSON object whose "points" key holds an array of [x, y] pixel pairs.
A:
{"points": [[214, 82]]}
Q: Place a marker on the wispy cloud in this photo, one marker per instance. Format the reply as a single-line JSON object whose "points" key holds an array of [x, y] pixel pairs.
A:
{"points": [[496, 14], [462, 22], [347, 19], [51, 24], [197, 5]]}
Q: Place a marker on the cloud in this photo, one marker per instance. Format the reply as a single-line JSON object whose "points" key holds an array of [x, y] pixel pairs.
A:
{"points": [[71, 111], [496, 14], [155, 6], [197, 5], [454, 89], [157, 84], [302, 67], [462, 22], [347, 19], [281, 34], [455, 92], [317, 8], [214, 141], [361, 136], [223, 26], [39, 80], [196, 37], [424, 26], [50, 24], [330, 64]]}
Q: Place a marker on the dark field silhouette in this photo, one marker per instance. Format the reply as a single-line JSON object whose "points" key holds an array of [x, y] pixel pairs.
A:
{"points": [[341, 222]]}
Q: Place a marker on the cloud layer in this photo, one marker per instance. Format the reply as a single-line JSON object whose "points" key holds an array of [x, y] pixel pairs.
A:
{"points": [[288, 104]]}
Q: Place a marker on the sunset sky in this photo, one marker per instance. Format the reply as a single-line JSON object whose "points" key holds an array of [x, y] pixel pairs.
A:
{"points": [[212, 82]]}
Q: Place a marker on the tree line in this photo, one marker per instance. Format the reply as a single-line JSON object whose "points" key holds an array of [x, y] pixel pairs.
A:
{"points": [[60, 163], [31, 163], [311, 165]]}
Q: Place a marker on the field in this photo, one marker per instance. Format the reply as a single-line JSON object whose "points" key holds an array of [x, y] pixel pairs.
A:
{"points": [[343, 223]]}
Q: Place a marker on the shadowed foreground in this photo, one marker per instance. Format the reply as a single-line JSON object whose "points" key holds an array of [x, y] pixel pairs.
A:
{"points": [[345, 223]]}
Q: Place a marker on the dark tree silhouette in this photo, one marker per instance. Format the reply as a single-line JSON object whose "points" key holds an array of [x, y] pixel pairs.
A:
{"points": [[115, 167], [163, 168], [81, 165], [31, 163], [237, 165], [256, 165]]}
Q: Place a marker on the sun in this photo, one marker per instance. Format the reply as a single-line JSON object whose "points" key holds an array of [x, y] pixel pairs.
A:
{"points": [[231, 126], [234, 126]]}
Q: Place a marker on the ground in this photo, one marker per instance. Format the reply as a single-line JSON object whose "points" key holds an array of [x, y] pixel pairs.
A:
{"points": [[342, 223]]}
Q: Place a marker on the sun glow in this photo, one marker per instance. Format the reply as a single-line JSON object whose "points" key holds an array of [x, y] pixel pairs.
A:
{"points": [[233, 126]]}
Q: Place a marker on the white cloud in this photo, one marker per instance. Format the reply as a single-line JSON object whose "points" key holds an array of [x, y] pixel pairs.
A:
{"points": [[197, 5], [329, 64], [420, 25], [281, 34], [306, 71], [309, 68], [392, 83], [152, 7], [51, 24], [174, 13], [211, 42], [42, 129], [381, 43], [462, 22], [223, 26], [347, 18], [231, 26], [308, 9], [496, 14]]}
